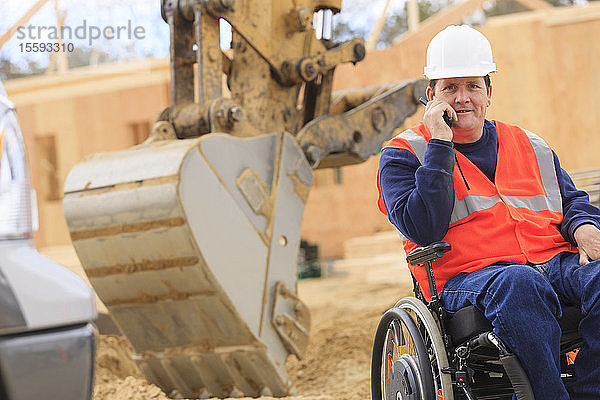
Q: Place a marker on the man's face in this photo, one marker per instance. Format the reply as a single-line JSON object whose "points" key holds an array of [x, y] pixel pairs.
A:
{"points": [[468, 96]]}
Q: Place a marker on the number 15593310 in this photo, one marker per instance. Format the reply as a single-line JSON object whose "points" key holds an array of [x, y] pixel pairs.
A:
{"points": [[46, 47]]}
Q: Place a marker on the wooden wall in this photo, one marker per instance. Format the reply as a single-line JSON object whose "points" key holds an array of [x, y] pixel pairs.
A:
{"points": [[66, 117], [549, 79]]}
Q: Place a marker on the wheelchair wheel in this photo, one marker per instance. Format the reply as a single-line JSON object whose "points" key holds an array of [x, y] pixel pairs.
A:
{"points": [[430, 332], [400, 367]]}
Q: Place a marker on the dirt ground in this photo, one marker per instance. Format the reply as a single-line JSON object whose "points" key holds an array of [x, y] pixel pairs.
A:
{"points": [[345, 311]]}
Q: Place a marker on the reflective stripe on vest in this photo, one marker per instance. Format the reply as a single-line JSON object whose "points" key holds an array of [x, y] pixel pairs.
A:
{"points": [[545, 159], [552, 201], [417, 142], [470, 204]]}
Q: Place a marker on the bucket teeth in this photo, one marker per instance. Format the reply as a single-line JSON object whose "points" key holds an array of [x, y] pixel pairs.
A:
{"points": [[176, 380], [266, 392], [236, 393], [224, 375]]}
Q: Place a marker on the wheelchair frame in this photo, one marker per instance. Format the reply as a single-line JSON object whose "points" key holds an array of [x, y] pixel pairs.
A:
{"points": [[455, 355]]}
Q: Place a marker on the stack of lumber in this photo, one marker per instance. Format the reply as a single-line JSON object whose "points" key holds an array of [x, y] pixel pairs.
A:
{"points": [[590, 182], [378, 258]]}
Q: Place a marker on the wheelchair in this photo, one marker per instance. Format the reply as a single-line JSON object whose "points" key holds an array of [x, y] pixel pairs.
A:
{"points": [[423, 352]]}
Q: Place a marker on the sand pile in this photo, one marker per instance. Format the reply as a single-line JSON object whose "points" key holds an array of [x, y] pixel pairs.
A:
{"points": [[117, 376]]}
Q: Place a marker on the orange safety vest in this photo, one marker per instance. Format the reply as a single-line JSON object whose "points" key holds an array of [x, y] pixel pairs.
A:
{"points": [[514, 219]]}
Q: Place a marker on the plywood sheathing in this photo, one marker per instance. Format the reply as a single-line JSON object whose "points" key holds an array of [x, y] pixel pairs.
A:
{"points": [[87, 110]]}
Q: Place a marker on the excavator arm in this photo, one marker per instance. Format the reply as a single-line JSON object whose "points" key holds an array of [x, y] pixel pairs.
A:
{"points": [[191, 238]]}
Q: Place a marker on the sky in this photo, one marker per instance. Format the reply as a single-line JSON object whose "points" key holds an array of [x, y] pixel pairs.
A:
{"points": [[95, 17], [91, 17], [86, 14]]}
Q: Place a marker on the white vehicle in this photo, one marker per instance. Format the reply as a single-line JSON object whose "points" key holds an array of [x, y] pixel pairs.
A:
{"points": [[47, 344]]}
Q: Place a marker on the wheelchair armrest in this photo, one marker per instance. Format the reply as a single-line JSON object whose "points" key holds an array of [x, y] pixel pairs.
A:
{"points": [[426, 253]]}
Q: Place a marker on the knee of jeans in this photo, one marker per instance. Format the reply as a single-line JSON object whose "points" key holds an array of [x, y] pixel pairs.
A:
{"points": [[526, 285]]}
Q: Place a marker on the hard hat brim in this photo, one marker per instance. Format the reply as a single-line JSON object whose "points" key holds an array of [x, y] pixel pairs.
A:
{"points": [[430, 73]]}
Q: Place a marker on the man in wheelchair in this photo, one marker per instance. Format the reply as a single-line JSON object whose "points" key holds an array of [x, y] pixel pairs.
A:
{"points": [[525, 243]]}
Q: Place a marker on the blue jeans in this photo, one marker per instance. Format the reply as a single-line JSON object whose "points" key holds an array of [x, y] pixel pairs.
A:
{"points": [[524, 302]]}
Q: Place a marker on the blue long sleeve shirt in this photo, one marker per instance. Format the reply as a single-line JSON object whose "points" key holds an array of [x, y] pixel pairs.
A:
{"points": [[419, 198]]}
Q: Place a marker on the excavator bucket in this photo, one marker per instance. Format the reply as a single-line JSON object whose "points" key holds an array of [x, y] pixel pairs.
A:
{"points": [[192, 245]]}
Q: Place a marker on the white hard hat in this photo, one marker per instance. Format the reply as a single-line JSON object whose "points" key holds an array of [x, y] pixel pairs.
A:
{"points": [[459, 51]]}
